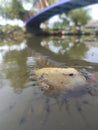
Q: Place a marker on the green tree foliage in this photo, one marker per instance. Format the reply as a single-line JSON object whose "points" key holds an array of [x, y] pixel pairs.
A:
{"points": [[15, 10], [79, 16], [1, 11], [65, 20]]}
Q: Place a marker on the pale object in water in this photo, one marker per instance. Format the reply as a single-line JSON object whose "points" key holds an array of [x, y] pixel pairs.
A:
{"points": [[60, 78]]}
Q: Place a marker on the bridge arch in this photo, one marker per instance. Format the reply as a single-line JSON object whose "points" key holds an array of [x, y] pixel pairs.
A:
{"points": [[33, 24]]}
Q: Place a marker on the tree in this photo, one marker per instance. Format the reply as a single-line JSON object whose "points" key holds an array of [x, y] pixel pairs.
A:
{"points": [[15, 10], [79, 16]]}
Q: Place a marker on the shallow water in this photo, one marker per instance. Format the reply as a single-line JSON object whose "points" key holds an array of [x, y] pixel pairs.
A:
{"points": [[23, 106]]}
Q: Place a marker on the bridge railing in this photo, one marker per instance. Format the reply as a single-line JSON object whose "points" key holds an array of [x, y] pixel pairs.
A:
{"points": [[41, 4]]}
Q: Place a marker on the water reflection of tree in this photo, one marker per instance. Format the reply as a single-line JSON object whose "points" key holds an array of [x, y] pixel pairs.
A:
{"points": [[66, 47], [77, 51], [73, 57], [16, 69], [74, 51]]}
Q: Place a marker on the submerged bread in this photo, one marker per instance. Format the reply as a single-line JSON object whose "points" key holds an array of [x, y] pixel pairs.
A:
{"points": [[59, 78]]}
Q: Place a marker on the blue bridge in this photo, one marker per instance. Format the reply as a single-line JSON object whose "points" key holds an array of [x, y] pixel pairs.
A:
{"points": [[60, 6]]}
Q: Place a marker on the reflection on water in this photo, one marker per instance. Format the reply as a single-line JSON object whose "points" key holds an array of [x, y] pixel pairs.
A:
{"points": [[23, 106], [69, 51], [92, 55]]}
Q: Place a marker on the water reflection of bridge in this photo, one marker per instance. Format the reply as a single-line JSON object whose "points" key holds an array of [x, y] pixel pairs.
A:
{"points": [[47, 9]]}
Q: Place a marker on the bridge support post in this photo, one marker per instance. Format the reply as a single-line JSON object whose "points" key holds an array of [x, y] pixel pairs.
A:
{"points": [[36, 30]]}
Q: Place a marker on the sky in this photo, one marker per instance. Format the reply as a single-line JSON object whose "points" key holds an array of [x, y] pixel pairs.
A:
{"points": [[94, 11]]}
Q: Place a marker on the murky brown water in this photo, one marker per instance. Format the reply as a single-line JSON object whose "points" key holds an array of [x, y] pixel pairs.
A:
{"points": [[23, 106]]}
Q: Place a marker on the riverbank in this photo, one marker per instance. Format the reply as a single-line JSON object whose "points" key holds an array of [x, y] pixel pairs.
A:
{"points": [[11, 33], [16, 33]]}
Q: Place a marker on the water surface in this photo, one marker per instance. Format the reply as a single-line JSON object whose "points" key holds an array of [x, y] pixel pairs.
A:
{"points": [[23, 106]]}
